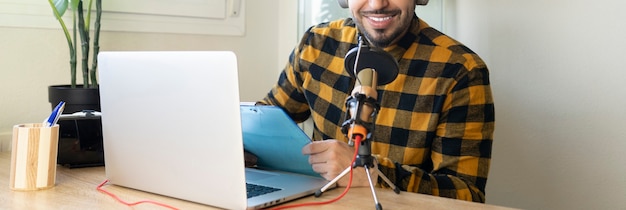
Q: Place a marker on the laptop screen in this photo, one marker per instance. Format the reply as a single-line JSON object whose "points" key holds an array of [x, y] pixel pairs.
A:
{"points": [[171, 124]]}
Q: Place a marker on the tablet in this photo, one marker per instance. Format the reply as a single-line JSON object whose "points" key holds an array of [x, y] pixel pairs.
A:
{"points": [[276, 140]]}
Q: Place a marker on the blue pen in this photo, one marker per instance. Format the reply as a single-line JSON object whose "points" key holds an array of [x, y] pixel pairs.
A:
{"points": [[54, 116]]}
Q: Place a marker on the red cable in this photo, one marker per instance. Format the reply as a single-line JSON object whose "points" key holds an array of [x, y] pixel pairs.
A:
{"points": [[357, 142], [99, 188]]}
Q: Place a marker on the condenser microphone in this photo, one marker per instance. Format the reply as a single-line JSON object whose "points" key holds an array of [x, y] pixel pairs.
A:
{"points": [[370, 67], [361, 104]]}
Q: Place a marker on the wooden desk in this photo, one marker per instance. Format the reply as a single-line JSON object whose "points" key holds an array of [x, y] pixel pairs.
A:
{"points": [[76, 189]]}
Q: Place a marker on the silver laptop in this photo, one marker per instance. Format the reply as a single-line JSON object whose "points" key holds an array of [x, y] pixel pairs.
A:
{"points": [[171, 125]]}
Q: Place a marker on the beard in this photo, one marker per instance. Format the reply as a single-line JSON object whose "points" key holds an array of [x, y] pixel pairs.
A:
{"points": [[379, 39]]}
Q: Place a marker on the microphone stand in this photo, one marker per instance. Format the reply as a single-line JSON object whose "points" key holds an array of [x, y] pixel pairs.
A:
{"points": [[360, 127], [364, 156]]}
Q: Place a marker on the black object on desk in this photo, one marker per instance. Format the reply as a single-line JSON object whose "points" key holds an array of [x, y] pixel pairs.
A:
{"points": [[80, 140]]}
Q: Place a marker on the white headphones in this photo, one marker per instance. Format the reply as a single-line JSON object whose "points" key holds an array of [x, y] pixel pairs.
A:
{"points": [[344, 3]]}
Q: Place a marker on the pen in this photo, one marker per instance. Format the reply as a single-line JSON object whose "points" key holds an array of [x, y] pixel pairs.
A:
{"points": [[54, 116]]}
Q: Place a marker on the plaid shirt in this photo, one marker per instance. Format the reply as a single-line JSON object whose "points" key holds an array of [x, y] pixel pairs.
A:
{"points": [[434, 130]]}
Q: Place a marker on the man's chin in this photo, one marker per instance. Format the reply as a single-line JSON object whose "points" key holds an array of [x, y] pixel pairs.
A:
{"points": [[375, 36], [379, 40]]}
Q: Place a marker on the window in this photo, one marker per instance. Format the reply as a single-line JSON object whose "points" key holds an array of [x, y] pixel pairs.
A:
{"points": [[215, 17]]}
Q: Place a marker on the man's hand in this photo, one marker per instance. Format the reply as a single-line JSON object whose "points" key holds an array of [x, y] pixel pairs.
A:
{"points": [[331, 157]]}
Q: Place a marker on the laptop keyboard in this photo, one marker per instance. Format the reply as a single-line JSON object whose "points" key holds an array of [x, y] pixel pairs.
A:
{"points": [[254, 190]]}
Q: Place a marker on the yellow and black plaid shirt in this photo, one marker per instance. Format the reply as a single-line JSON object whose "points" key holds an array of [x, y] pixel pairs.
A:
{"points": [[434, 131]]}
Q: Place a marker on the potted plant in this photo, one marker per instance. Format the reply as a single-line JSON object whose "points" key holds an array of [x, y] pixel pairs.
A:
{"points": [[80, 138], [86, 95]]}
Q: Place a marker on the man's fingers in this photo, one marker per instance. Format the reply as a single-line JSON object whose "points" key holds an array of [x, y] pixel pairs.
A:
{"points": [[315, 147]]}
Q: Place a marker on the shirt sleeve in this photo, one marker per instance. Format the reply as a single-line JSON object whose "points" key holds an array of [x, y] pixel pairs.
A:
{"points": [[461, 151], [288, 93]]}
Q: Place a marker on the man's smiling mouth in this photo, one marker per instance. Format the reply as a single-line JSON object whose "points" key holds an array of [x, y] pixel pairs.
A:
{"points": [[380, 19]]}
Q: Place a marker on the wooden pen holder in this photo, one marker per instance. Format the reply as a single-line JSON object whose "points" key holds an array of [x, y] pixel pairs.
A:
{"points": [[34, 156]]}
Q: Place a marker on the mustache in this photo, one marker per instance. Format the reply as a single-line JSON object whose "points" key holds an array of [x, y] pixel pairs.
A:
{"points": [[380, 12]]}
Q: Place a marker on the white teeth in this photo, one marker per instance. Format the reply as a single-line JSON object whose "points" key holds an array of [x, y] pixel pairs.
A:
{"points": [[378, 19]]}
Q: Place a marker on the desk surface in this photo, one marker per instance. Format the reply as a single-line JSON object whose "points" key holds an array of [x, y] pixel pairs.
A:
{"points": [[76, 189]]}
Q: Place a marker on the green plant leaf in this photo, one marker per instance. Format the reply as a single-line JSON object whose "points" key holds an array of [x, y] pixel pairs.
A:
{"points": [[74, 4], [60, 6]]}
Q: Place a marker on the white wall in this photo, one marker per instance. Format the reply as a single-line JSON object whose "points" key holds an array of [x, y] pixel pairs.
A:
{"points": [[557, 73], [32, 59]]}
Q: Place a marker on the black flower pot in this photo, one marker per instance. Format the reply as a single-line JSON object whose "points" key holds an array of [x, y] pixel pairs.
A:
{"points": [[80, 137]]}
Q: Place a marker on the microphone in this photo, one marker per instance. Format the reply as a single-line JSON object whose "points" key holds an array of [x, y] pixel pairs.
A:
{"points": [[371, 67]]}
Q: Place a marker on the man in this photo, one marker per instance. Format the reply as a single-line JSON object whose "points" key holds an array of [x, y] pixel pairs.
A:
{"points": [[434, 130]]}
